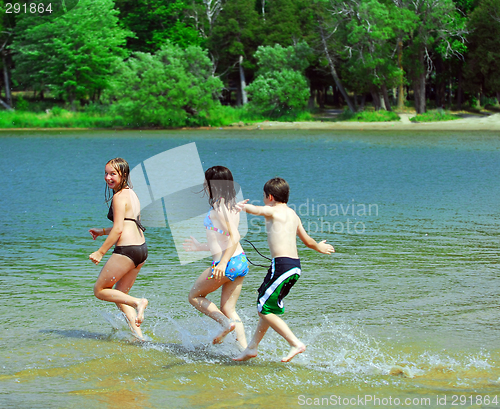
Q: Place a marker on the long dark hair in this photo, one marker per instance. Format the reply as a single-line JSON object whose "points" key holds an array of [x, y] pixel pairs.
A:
{"points": [[220, 184], [123, 169]]}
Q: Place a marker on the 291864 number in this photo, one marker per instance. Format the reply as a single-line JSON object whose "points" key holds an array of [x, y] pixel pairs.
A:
{"points": [[32, 8], [474, 400]]}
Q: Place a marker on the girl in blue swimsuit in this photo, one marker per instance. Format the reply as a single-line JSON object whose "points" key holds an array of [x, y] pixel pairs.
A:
{"points": [[130, 251], [229, 263]]}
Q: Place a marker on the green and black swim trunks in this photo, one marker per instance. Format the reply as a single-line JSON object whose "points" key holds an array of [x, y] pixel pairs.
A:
{"points": [[282, 275]]}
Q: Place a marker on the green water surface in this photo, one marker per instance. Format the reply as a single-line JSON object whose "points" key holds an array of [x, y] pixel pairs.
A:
{"points": [[407, 308]]}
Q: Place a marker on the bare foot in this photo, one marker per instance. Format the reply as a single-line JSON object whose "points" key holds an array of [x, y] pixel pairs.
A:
{"points": [[219, 338], [136, 331], [138, 337], [294, 351], [143, 303], [246, 355]]}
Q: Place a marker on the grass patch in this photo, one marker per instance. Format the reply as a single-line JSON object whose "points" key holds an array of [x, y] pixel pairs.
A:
{"points": [[434, 116], [227, 116], [250, 115], [99, 116], [369, 116], [57, 118]]}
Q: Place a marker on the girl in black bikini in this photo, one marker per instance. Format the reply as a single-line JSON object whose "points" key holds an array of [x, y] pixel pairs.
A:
{"points": [[130, 251]]}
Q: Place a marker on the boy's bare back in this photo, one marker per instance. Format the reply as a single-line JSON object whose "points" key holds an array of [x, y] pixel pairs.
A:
{"points": [[282, 224]]}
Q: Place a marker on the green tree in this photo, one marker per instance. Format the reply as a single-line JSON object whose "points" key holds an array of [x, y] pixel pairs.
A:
{"points": [[7, 24], [372, 29], [275, 58], [439, 30], [281, 86], [285, 22], [156, 22], [483, 61], [329, 39], [363, 37], [73, 55], [277, 94], [171, 88], [235, 37]]}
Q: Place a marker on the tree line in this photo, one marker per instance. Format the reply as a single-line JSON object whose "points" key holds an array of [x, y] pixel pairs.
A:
{"points": [[171, 62]]}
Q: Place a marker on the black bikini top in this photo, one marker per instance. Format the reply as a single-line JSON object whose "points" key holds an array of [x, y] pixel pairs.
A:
{"points": [[137, 222]]}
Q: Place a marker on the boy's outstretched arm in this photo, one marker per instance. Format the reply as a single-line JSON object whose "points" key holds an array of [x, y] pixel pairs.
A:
{"points": [[265, 211], [321, 247]]}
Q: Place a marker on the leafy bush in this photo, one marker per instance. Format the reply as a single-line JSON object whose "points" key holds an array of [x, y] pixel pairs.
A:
{"points": [[279, 93], [22, 104], [230, 116], [173, 88], [274, 59], [96, 109], [434, 116], [281, 88], [57, 111], [369, 116]]}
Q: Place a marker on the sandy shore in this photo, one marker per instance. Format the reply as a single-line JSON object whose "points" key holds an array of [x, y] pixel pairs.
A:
{"points": [[477, 123]]}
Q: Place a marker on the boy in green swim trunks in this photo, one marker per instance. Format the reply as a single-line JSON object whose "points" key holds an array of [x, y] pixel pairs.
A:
{"points": [[282, 225]]}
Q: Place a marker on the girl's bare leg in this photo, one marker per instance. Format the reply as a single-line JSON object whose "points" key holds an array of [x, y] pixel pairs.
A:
{"points": [[124, 285], [229, 297], [197, 297], [117, 269]]}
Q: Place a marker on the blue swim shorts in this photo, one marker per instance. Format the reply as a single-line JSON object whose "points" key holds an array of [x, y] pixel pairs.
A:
{"points": [[237, 266]]}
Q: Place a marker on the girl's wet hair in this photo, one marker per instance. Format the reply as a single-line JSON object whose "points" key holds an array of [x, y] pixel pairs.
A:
{"points": [[279, 188], [123, 169], [220, 184]]}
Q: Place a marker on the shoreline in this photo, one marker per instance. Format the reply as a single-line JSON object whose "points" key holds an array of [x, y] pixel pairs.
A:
{"points": [[489, 123]]}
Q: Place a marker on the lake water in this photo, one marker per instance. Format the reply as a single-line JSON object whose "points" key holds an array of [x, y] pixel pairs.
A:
{"points": [[405, 313]]}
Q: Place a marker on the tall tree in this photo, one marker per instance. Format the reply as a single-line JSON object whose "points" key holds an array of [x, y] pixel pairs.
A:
{"points": [[329, 43], [73, 55], [156, 22], [7, 24], [283, 24], [483, 60], [373, 28], [235, 37], [438, 25], [171, 88]]}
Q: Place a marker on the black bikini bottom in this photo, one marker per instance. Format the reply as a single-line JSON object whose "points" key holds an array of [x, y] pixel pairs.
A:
{"points": [[137, 253]]}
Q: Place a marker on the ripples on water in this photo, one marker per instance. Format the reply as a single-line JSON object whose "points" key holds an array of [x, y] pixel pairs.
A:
{"points": [[407, 308]]}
